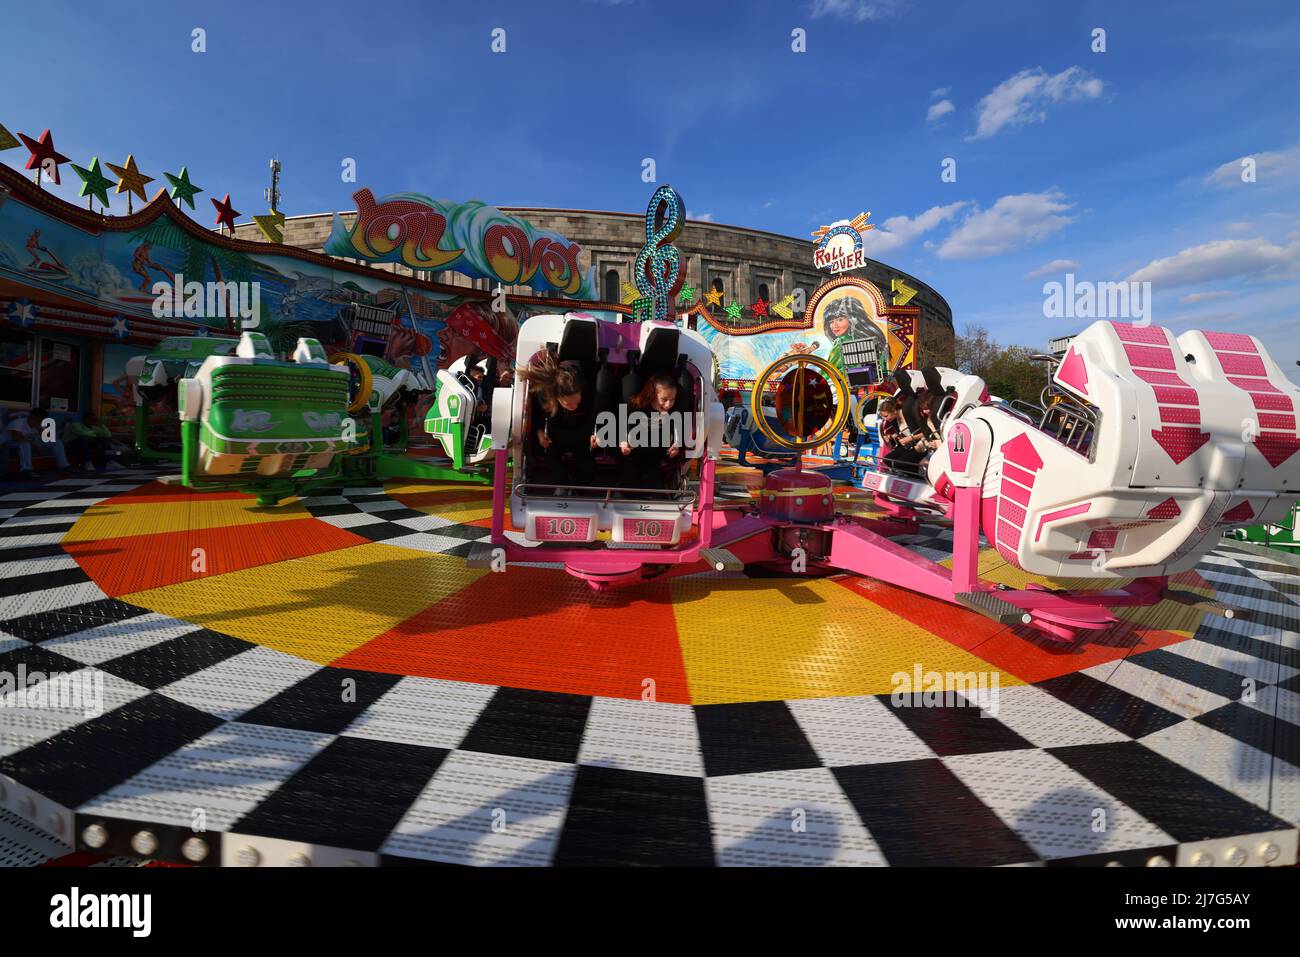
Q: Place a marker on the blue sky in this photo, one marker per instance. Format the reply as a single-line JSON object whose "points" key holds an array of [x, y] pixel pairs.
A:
{"points": [[1115, 165]]}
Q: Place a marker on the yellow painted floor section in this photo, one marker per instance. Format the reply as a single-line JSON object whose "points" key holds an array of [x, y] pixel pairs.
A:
{"points": [[316, 608], [748, 639], [120, 520]]}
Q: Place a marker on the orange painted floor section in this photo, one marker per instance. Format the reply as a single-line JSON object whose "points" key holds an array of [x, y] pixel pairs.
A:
{"points": [[124, 565], [542, 629]]}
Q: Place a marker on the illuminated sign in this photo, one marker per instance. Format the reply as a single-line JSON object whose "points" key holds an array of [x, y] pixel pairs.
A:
{"points": [[839, 245]]}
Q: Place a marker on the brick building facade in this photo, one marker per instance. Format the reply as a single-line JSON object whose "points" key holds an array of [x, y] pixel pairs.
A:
{"points": [[745, 264]]}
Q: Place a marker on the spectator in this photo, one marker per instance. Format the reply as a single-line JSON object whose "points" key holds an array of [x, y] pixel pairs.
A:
{"points": [[24, 432], [89, 441]]}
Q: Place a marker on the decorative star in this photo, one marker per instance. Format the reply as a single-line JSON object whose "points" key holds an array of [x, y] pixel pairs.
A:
{"points": [[7, 140], [44, 156], [760, 307], [688, 293], [21, 312], [733, 311], [130, 179], [226, 212], [713, 297], [120, 327], [182, 191], [93, 182]]}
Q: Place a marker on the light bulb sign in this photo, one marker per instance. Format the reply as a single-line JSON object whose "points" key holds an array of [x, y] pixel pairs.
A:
{"points": [[839, 245]]}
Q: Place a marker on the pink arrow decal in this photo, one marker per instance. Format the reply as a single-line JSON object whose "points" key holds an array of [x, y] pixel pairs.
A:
{"points": [[1165, 510], [1073, 372], [1153, 360], [1020, 451], [1013, 498], [1179, 442], [1241, 512], [1277, 447], [1277, 440]]}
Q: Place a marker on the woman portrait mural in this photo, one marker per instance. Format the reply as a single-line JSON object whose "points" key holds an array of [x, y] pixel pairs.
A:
{"points": [[848, 312]]}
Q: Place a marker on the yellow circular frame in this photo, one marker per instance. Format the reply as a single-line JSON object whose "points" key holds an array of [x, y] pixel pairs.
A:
{"points": [[367, 379], [838, 384]]}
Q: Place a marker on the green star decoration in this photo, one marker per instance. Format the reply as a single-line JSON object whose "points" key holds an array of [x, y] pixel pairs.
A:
{"points": [[93, 182], [733, 311], [182, 191], [688, 293]]}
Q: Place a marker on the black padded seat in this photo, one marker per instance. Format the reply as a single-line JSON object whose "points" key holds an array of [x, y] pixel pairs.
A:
{"points": [[661, 351], [579, 341]]}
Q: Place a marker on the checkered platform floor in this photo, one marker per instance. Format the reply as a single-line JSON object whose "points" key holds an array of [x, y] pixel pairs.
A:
{"points": [[1193, 741]]}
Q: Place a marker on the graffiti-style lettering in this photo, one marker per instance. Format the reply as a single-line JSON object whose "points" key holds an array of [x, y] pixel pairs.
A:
{"points": [[413, 230]]}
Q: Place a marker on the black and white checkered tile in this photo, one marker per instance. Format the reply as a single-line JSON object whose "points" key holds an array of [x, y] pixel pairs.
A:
{"points": [[1190, 743], [371, 514], [35, 573], [1150, 754]]}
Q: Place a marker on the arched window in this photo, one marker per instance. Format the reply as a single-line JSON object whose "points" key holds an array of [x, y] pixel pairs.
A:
{"points": [[717, 287], [762, 292], [611, 286]]}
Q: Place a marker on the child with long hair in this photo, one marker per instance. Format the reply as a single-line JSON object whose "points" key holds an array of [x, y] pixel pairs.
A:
{"points": [[653, 465], [903, 449], [564, 420]]}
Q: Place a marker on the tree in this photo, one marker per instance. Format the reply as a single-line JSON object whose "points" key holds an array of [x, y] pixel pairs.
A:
{"points": [[1008, 370]]}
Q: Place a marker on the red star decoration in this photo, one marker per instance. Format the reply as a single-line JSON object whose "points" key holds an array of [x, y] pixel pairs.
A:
{"points": [[44, 155], [760, 308], [226, 212]]}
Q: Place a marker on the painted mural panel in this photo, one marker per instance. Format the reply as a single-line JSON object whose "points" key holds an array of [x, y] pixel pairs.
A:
{"points": [[847, 322]]}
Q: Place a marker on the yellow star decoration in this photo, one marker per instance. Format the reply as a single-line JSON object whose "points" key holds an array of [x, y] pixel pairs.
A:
{"points": [[130, 179], [630, 294], [713, 297]]}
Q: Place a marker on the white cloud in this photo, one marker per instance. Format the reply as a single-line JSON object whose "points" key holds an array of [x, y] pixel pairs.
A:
{"points": [[1195, 297], [1269, 166], [940, 92], [1221, 259], [1011, 222], [938, 110], [1025, 97], [1238, 227], [898, 230], [1056, 266], [856, 10], [699, 217]]}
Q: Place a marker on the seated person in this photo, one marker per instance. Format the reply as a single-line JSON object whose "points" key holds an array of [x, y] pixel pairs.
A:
{"points": [[656, 462], [565, 423], [904, 449], [24, 431], [90, 441], [930, 434]]}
